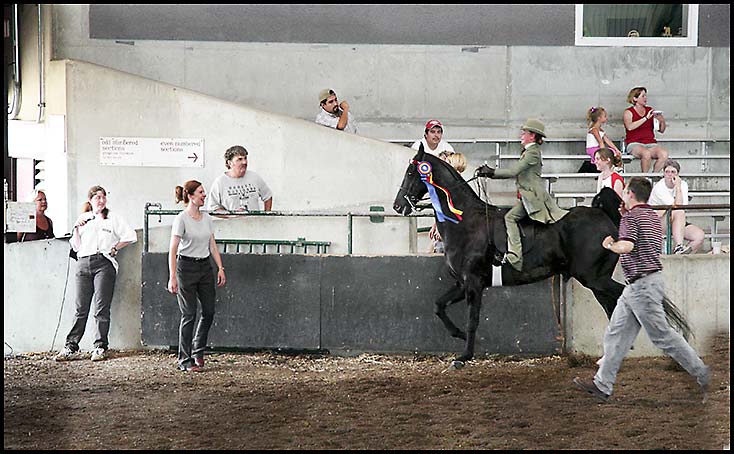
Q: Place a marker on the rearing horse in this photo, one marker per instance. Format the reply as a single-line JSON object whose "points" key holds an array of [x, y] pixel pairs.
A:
{"points": [[472, 231]]}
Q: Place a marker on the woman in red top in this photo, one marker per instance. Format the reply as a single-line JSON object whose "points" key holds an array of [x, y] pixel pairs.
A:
{"points": [[640, 139]]}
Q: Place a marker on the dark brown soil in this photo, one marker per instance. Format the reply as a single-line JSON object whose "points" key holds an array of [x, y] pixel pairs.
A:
{"points": [[268, 401]]}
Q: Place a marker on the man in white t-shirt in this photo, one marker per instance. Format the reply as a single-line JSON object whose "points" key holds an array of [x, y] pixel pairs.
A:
{"points": [[238, 189], [433, 139], [334, 114], [671, 190]]}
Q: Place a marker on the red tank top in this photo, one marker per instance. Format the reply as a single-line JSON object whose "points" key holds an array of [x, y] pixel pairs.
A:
{"points": [[644, 133]]}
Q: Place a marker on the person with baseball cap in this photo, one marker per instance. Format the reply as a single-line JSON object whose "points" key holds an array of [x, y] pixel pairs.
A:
{"points": [[433, 139], [534, 200], [334, 114]]}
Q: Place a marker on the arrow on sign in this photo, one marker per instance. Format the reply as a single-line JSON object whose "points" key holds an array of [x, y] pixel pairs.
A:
{"points": [[195, 157]]}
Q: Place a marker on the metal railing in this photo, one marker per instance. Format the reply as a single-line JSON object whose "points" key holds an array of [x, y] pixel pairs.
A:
{"points": [[715, 219], [279, 244], [626, 157], [375, 216]]}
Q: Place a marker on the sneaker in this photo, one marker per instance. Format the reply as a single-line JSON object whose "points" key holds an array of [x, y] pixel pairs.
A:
{"points": [[66, 354], [590, 388], [199, 362], [680, 249], [98, 354], [190, 368]]}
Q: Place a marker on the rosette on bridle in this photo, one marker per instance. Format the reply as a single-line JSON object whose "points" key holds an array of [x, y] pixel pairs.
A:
{"points": [[426, 172]]}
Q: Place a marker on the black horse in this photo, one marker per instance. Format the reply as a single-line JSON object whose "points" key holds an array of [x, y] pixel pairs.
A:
{"points": [[473, 231]]}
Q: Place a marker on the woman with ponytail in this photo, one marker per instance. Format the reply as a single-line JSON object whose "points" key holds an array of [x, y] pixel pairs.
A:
{"points": [[191, 277]]}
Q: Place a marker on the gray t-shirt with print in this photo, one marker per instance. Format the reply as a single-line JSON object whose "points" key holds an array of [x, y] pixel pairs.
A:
{"points": [[234, 193]]}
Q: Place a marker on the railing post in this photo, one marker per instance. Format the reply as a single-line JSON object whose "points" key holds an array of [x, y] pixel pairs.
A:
{"points": [[349, 237], [145, 230], [668, 239]]}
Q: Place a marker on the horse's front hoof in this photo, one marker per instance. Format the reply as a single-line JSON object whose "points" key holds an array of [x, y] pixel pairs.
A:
{"points": [[456, 365]]}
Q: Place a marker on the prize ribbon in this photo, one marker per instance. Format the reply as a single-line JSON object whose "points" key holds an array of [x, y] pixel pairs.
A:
{"points": [[425, 171]]}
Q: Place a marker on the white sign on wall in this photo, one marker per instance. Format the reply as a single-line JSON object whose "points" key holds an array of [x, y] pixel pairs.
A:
{"points": [[21, 216], [151, 152]]}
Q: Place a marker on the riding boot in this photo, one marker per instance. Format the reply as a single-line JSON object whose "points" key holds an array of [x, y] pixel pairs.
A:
{"points": [[514, 260]]}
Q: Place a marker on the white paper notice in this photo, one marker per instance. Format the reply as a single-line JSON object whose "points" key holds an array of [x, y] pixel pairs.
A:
{"points": [[151, 152]]}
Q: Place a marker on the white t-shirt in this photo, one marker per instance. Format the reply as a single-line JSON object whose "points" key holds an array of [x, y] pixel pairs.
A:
{"points": [[608, 182], [663, 195], [195, 235], [329, 119], [442, 146], [99, 235], [234, 193]]}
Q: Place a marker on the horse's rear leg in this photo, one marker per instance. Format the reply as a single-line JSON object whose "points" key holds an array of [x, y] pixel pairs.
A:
{"points": [[454, 295]]}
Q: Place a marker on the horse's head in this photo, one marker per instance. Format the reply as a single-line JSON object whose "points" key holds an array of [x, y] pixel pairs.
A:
{"points": [[412, 188], [609, 202]]}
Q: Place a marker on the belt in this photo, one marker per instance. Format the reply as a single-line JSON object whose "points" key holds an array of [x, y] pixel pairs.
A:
{"points": [[193, 259], [638, 277], [96, 254]]}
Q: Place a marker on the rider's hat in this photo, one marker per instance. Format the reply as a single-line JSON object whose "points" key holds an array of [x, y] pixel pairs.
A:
{"points": [[533, 125]]}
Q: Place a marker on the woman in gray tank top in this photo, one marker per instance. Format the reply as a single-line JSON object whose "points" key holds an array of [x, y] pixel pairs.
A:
{"points": [[191, 277]]}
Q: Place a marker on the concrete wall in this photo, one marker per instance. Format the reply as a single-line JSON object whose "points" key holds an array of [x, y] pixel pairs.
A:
{"points": [[39, 300], [697, 284], [32, 302], [305, 164], [484, 91]]}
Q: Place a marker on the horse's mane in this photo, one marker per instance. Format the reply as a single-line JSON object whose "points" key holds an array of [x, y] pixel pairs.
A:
{"points": [[457, 181]]}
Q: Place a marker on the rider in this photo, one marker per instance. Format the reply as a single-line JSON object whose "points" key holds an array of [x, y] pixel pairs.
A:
{"points": [[534, 200]]}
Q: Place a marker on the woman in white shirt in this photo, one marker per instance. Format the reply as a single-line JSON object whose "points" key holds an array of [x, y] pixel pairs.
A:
{"points": [[191, 277], [97, 238], [671, 190]]}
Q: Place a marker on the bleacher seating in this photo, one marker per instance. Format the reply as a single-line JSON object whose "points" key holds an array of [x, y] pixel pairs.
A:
{"points": [[705, 165]]}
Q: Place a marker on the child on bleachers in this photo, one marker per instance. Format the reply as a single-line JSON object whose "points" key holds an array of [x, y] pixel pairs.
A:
{"points": [[606, 160], [596, 138]]}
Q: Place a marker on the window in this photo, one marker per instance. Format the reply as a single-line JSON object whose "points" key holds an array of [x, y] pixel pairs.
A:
{"points": [[636, 25]]}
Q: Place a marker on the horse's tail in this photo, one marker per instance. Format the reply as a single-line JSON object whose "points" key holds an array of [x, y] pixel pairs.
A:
{"points": [[676, 318]]}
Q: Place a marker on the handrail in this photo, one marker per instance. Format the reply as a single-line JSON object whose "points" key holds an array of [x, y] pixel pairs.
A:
{"points": [[635, 174], [563, 139], [349, 215], [300, 242], [669, 212]]}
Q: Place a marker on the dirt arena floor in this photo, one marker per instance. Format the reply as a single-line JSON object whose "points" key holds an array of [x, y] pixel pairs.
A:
{"points": [[274, 401]]}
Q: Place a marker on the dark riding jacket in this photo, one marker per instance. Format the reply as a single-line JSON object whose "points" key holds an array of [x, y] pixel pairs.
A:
{"points": [[538, 203]]}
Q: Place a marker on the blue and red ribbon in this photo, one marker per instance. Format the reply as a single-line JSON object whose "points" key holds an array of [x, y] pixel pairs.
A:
{"points": [[426, 172]]}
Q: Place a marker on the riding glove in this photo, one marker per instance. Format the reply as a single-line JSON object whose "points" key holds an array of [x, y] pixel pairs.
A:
{"points": [[485, 171]]}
